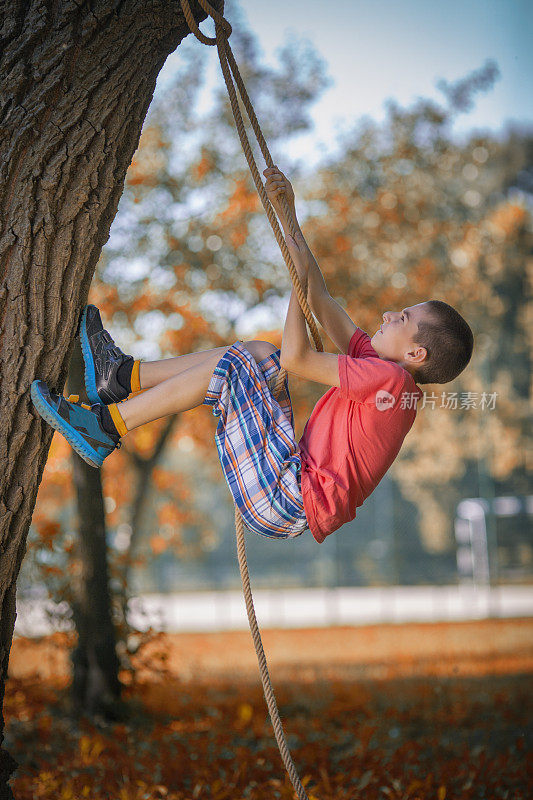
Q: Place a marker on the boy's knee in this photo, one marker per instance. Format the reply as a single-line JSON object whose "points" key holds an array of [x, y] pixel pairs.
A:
{"points": [[260, 350]]}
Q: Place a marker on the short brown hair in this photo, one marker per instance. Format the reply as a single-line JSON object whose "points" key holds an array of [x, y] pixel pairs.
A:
{"points": [[449, 342]]}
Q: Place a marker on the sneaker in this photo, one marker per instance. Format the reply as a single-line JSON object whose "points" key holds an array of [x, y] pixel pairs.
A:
{"points": [[80, 424], [102, 360]]}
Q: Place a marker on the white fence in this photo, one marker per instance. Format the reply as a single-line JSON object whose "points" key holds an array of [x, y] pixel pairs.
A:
{"points": [[301, 608]]}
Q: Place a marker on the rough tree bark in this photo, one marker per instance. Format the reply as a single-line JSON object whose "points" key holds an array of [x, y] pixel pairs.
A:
{"points": [[95, 681], [76, 80]]}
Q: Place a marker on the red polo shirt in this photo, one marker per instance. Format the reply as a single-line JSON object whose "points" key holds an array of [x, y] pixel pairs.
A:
{"points": [[354, 434]]}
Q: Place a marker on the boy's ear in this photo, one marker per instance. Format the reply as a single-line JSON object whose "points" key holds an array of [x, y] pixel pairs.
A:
{"points": [[416, 355]]}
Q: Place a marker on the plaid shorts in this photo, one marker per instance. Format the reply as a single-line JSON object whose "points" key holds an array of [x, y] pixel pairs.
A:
{"points": [[256, 443]]}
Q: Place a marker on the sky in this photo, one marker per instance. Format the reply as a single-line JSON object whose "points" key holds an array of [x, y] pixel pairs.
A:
{"points": [[378, 49]]}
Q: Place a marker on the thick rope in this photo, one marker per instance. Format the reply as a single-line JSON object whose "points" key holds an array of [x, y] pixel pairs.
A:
{"points": [[231, 72], [223, 50], [263, 667]]}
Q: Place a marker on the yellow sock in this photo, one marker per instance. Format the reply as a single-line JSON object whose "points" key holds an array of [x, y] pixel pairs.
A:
{"points": [[136, 377], [119, 423]]}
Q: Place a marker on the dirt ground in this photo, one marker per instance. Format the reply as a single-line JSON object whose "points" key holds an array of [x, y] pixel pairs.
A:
{"points": [[381, 712]]}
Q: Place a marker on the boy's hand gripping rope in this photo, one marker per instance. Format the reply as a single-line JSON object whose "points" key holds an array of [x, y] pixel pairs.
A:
{"points": [[231, 72]]}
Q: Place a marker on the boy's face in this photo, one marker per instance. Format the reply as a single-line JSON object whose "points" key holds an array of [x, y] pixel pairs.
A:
{"points": [[394, 340]]}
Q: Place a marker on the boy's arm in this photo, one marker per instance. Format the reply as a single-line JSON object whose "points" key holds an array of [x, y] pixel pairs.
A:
{"points": [[331, 315], [335, 321], [297, 355]]}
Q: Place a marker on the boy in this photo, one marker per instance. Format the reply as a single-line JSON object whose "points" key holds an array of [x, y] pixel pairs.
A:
{"points": [[352, 437]]}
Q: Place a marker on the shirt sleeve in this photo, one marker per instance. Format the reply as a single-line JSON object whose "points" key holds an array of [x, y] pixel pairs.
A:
{"points": [[359, 346], [362, 378]]}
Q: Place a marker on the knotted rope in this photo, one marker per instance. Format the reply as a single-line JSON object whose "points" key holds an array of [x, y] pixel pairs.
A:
{"points": [[231, 73]]}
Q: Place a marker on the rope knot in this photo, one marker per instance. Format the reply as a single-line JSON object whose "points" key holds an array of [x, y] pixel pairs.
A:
{"points": [[222, 25]]}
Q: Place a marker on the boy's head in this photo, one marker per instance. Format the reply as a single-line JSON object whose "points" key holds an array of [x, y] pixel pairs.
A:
{"points": [[431, 340]]}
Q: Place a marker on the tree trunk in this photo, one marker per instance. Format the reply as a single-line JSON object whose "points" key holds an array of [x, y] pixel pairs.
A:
{"points": [[76, 80], [95, 683]]}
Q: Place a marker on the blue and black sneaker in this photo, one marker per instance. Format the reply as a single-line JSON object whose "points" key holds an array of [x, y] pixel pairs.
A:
{"points": [[81, 425], [107, 369]]}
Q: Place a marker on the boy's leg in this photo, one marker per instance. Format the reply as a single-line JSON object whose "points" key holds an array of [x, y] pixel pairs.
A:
{"points": [[151, 373], [182, 391], [94, 431]]}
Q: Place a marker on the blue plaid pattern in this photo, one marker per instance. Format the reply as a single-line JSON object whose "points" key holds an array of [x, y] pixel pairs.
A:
{"points": [[256, 443]]}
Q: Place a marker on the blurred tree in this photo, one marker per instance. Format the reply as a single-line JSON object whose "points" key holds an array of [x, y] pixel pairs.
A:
{"points": [[95, 683]]}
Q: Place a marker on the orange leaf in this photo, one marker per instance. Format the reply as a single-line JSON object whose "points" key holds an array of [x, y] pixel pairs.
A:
{"points": [[158, 544]]}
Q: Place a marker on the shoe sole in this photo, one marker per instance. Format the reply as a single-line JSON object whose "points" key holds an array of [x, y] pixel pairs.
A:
{"points": [[90, 372], [57, 422]]}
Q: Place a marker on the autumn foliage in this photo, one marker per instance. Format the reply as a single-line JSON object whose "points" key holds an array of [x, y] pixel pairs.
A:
{"points": [[414, 712], [402, 214]]}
